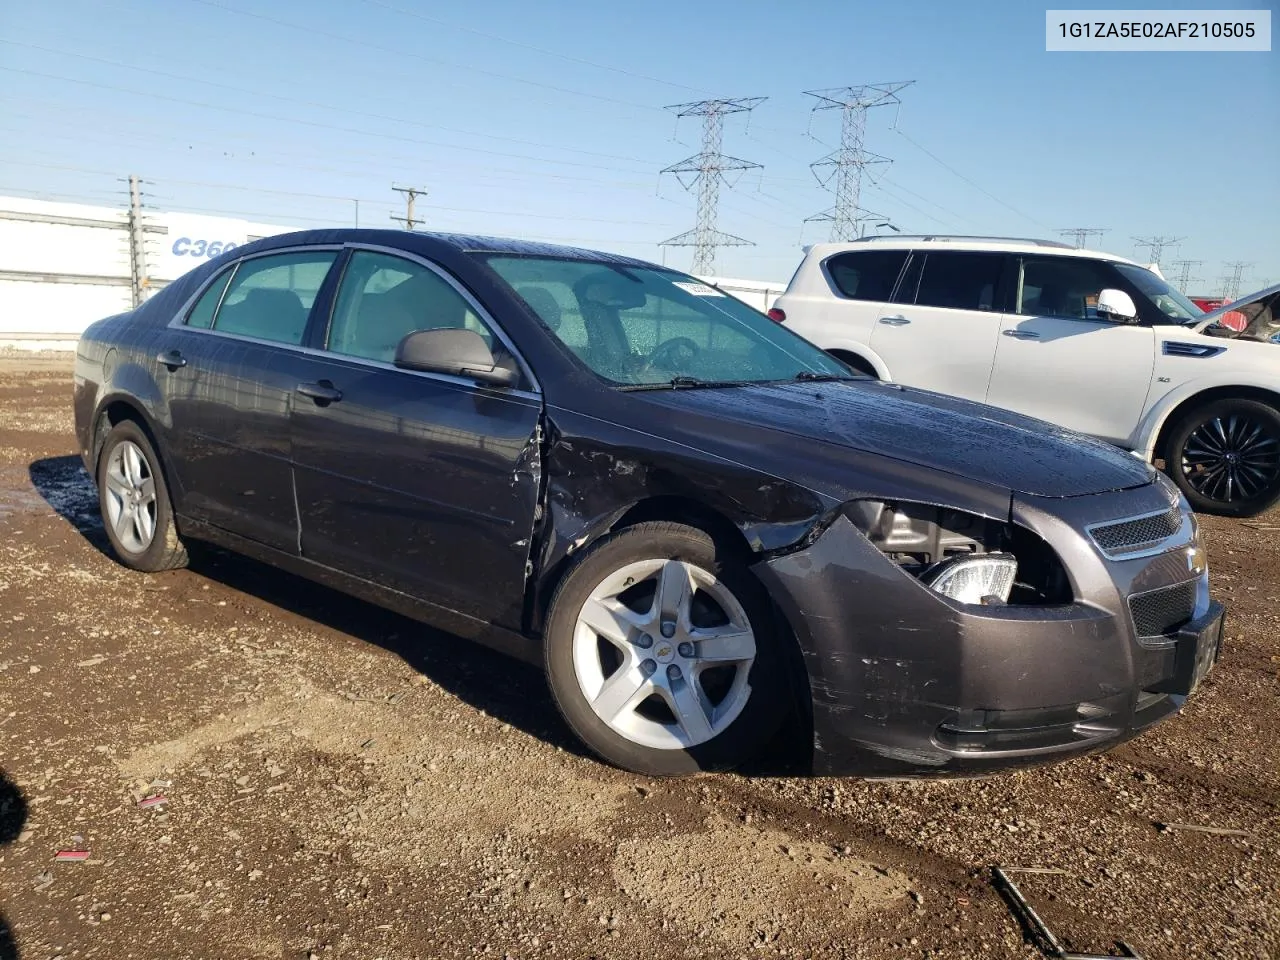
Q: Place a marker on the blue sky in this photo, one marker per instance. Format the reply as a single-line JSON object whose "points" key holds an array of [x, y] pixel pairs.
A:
{"points": [[546, 120]]}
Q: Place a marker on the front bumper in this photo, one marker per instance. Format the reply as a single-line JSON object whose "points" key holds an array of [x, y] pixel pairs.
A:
{"points": [[906, 683]]}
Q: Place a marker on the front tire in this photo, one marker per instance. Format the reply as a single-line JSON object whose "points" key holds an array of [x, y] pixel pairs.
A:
{"points": [[134, 500], [663, 655], [1225, 457]]}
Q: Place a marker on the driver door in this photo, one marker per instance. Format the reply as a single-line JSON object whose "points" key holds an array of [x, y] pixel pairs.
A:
{"points": [[1056, 359], [425, 483]]}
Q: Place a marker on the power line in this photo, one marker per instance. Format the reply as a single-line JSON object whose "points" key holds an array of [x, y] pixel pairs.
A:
{"points": [[328, 107], [1156, 245], [1231, 283], [846, 164], [1081, 235], [343, 38], [277, 118], [530, 46], [707, 170], [956, 173], [410, 194], [1184, 268]]}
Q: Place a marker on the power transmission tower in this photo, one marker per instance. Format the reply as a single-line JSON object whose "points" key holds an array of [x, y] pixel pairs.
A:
{"points": [[1231, 284], [707, 170], [137, 243], [1156, 245], [410, 195], [1081, 235], [1184, 267], [845, 164]]}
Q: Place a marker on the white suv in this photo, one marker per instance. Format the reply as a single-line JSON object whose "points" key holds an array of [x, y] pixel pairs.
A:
{"points": [[1087, 340]]}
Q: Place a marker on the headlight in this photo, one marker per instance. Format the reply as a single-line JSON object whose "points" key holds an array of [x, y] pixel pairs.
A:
{"points": [[985, 578]]}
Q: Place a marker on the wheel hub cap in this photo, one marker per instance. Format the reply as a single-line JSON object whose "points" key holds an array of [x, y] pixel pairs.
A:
{"points": [[1232, 457], [129, 497], [662, 651]]}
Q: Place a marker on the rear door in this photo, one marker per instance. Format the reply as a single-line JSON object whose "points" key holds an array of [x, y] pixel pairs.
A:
{"points": [[940, 334], [1059, 361], [842, 319], [229, 367], [421, 482]]}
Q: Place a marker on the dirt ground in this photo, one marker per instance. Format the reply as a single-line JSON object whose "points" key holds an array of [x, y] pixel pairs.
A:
{"points": [[341, 782]]}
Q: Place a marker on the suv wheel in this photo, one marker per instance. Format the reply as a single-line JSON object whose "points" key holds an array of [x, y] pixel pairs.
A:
{"points": [[855, 363], [134, 500], [1225, 457], [662, 654]]}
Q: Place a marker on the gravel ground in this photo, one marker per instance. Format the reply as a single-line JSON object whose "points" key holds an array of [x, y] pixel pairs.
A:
{"points": [[340, 782]]}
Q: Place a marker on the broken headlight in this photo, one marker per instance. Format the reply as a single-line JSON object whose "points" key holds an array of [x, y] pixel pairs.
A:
{"points": [[987, 578], [964, 556]]}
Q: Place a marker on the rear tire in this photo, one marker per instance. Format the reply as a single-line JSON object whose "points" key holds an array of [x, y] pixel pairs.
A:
{"points": [[662, 653], [134, 500], [1225, 457], [855, 363]]}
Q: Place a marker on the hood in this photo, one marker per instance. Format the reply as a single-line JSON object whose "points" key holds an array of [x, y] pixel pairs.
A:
{"points": [[936, 432], [1212, 317]]}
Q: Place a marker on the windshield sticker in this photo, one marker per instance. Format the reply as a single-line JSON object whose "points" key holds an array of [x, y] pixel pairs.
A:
{"points": [[698, 289]]}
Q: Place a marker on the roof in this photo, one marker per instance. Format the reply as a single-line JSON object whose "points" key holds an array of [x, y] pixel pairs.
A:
{"points": [[945, 242], [424, 242]]}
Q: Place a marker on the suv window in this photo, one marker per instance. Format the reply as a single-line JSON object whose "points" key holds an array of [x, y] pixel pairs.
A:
{"points": [[270, 297], [867, 274], [960, 281], [383, 298], [201, 314], [1063, 287]]}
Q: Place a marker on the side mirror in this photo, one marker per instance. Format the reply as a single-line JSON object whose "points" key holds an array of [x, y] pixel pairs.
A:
{"points": [[462, 353], [1116, 305]]}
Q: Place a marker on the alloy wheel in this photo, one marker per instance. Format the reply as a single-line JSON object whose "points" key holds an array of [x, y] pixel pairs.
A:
{"points": [[131, 497], [662, 651]]}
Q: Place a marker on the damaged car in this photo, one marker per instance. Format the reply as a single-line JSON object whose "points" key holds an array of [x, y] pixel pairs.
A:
{"points": [[697, 522]]}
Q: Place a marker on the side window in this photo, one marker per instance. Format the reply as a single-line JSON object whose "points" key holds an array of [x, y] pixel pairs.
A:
{"points": [[960, 281], [867, 274], [383, 298], [201, 314], [1063, 287], [270, 297]]}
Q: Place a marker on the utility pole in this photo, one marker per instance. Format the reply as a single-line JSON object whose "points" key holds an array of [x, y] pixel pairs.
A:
{"points": [[845, 164], [411, 194], [1156, 245], [137, 243], [1184, 267], [707, 170], [1231, 283], [1081, 235]]}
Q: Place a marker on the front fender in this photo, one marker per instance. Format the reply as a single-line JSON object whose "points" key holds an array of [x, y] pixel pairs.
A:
{"points": [[1144, 438]]}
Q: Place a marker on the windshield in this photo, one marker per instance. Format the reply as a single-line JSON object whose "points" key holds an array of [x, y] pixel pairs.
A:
{"points": [[638, 326], [1257, 320], [1168, 301]]}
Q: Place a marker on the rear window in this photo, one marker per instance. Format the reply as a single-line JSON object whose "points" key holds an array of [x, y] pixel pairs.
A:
{"points": [[960, 281], [867, 274]]}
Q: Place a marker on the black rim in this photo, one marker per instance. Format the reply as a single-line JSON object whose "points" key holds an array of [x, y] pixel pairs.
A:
{"points": [[1233, 457]]}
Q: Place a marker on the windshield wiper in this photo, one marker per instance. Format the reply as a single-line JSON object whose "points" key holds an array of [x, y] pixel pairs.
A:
{"points": [[684, 383], [810, 377]]}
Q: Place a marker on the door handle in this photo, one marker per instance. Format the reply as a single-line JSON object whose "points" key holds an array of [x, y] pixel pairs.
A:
{"points": [[898, 321], [173, 359], [322, 392], [1022, 334]]}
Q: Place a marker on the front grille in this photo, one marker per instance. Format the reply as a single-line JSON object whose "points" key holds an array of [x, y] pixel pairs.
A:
{"points": [[1159, 613], [1133, 536]]}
